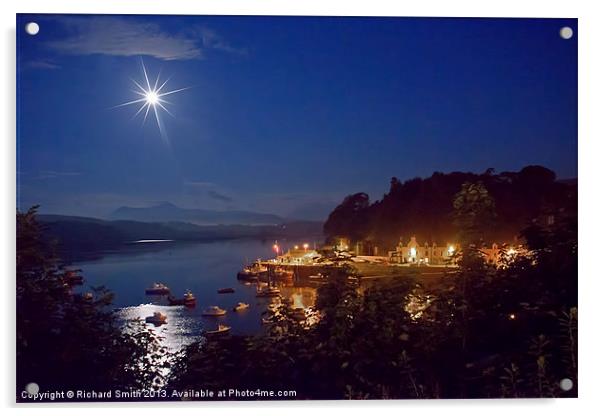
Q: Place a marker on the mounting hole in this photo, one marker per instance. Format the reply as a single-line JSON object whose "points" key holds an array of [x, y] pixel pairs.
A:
{"points": [[566, 384], [566, 32], [32, 388], [32, 28]]}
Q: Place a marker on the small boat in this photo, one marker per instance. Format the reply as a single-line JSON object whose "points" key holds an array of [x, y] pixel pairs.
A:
{"points": [[247, 275], [268, 292], [318, 276], [225, 290], [241, 306], [252, 273], [188, 300], [157, 319], [214, 311], [221, 329], [282, 274], [157, 289]]}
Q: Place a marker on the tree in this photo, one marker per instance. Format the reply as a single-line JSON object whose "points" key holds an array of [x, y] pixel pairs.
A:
{"points": [[421, 206], [350, 218], [66, 340], [474, 213]]}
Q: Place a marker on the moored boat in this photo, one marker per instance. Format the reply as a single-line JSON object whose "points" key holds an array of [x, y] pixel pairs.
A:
{"points": [[252, 273], [157, 289], [283, 274], [241, 306], [247, 275], [213, 311], [225, 290], [157, 319], [188, 300], [221, 329], [268, 292]]}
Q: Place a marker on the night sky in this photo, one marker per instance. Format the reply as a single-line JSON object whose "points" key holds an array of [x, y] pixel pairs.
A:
{"points": [[284, 115]]}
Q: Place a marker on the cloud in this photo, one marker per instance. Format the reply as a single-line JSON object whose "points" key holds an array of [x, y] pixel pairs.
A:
{"points": [[118, 36], [212, 40], [50, 174], [41, 64], [219, 197], [199, 184]]}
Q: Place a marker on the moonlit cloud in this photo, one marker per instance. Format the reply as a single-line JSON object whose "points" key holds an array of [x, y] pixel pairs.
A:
{"points": [[41, 64], [117, 36], [199, 184], [220, 197], [212, 40], [208, 188], [51, 174]]}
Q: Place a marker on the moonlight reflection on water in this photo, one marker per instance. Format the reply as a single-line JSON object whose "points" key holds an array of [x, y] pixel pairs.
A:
{"points": [[179, 330], [202, 268]]}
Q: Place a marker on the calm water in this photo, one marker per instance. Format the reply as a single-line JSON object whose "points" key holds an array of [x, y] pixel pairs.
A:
{"points": [[201, 267]]}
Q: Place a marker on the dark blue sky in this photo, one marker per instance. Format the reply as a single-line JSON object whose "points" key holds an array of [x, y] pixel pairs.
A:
{"points": [[284, 114]]}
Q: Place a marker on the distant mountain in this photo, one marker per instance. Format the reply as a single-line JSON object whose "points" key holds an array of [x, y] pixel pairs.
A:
{"points": [[88, 234], [166, 212]]}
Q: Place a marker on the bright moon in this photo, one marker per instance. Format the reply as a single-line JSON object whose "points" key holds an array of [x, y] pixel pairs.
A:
{"points": [[151, 98]]}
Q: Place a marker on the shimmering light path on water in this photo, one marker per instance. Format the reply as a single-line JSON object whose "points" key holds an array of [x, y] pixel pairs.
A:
{"points": [[201, 267]]}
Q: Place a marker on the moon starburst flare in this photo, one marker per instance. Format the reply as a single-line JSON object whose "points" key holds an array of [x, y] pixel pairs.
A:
{"points": [[151, 98]]}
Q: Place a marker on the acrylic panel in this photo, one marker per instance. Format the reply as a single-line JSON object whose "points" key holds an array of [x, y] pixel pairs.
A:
{"points": [[289, 208]]}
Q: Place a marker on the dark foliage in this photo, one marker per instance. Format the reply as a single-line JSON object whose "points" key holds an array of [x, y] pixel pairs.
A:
{"points": [[68, 341], [424, 207], [484, 331]]}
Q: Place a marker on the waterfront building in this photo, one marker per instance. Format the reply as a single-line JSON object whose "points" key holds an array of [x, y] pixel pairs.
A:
{"points": [[299, 256], [414, 253]]}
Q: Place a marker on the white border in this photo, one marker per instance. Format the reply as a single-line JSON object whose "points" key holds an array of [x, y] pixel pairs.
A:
{"points": [[590, 71]]}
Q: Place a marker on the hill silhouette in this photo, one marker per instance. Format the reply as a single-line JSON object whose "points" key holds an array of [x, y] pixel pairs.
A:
{"points": [[423, 207], [167, 211]]}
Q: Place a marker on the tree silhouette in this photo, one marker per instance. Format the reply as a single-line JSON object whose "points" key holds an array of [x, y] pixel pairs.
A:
{"points": [[69, 341]]}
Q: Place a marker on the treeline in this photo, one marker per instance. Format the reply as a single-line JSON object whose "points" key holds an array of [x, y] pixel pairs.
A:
{"points": [[424, 207]]}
